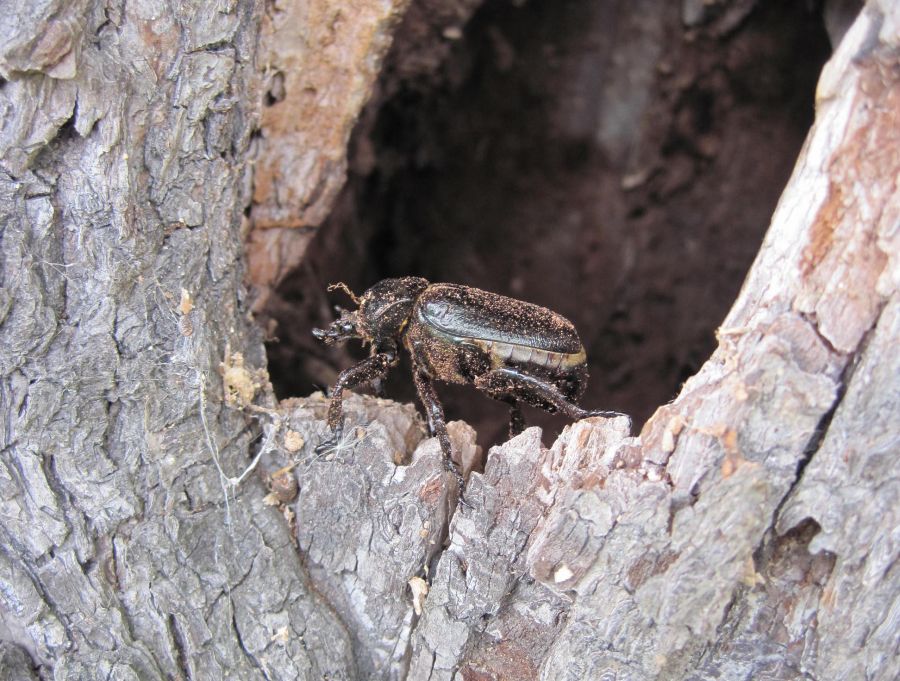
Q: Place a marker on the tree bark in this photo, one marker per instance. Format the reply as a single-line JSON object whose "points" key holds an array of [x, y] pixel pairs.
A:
{"points": [[126, 553], [748, 531]]}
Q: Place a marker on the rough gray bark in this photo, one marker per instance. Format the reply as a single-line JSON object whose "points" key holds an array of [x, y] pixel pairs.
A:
{"points": [[749, 531], [125, 553]]}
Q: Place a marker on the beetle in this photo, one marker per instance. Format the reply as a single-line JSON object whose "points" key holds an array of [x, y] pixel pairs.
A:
{"points": [[511, 350]]}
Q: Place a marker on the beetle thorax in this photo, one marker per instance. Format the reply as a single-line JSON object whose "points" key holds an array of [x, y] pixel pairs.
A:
{"points": [[385, 308]]}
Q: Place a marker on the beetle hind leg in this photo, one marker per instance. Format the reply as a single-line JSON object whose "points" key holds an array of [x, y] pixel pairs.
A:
{"points": [[516, 418], [603, 412], [497, 388], [510, 385]]}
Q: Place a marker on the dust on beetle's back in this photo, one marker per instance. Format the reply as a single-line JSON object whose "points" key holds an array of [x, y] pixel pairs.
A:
{"points": [[459, 330]]}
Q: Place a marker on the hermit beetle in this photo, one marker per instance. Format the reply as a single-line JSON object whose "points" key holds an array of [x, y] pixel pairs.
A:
{"points": [[509, 349]]}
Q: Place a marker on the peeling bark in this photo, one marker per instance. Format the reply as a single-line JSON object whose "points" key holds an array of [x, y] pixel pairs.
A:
{"points": [[748, 531], [319, 64]]}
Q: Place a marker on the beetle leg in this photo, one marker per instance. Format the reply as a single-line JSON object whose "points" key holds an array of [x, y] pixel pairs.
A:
{"points": [[604, 412], [378, 381], [433, 409], [511, 382], [373, 368], [499, 387], [516, 419], [437, 425]]}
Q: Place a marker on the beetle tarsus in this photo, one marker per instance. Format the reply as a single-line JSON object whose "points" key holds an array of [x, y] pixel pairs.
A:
{"points": [[332, 442], [606, 414], [326, 446]]}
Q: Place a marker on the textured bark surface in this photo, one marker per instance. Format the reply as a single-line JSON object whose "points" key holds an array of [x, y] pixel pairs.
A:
{"points": [[125, 552], [749, 530]]}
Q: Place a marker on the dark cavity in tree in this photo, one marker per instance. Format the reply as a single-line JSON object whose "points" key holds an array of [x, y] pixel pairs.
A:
{"points": [[599, 159]]}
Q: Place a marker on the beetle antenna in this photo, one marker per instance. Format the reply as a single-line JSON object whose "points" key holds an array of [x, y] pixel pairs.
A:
{"points": [[341, 286]]}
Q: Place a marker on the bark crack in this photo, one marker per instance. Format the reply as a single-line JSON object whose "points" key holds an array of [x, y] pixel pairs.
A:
{"points": [[240, 640], [821, 429], [178, 643]]}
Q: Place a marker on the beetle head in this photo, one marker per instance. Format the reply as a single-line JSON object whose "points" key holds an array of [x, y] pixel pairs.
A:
{"points": [[383, 312], [343, 328]]}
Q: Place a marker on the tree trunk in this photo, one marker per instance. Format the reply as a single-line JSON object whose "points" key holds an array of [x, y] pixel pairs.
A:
{"points": [[126, 553], [748, 531]]}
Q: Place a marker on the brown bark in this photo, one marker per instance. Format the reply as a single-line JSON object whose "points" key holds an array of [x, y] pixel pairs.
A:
{"points": [[748, 531]]}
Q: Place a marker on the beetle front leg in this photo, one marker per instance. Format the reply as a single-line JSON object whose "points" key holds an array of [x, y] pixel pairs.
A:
{"points": [[437, 425], [373, 368]]}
